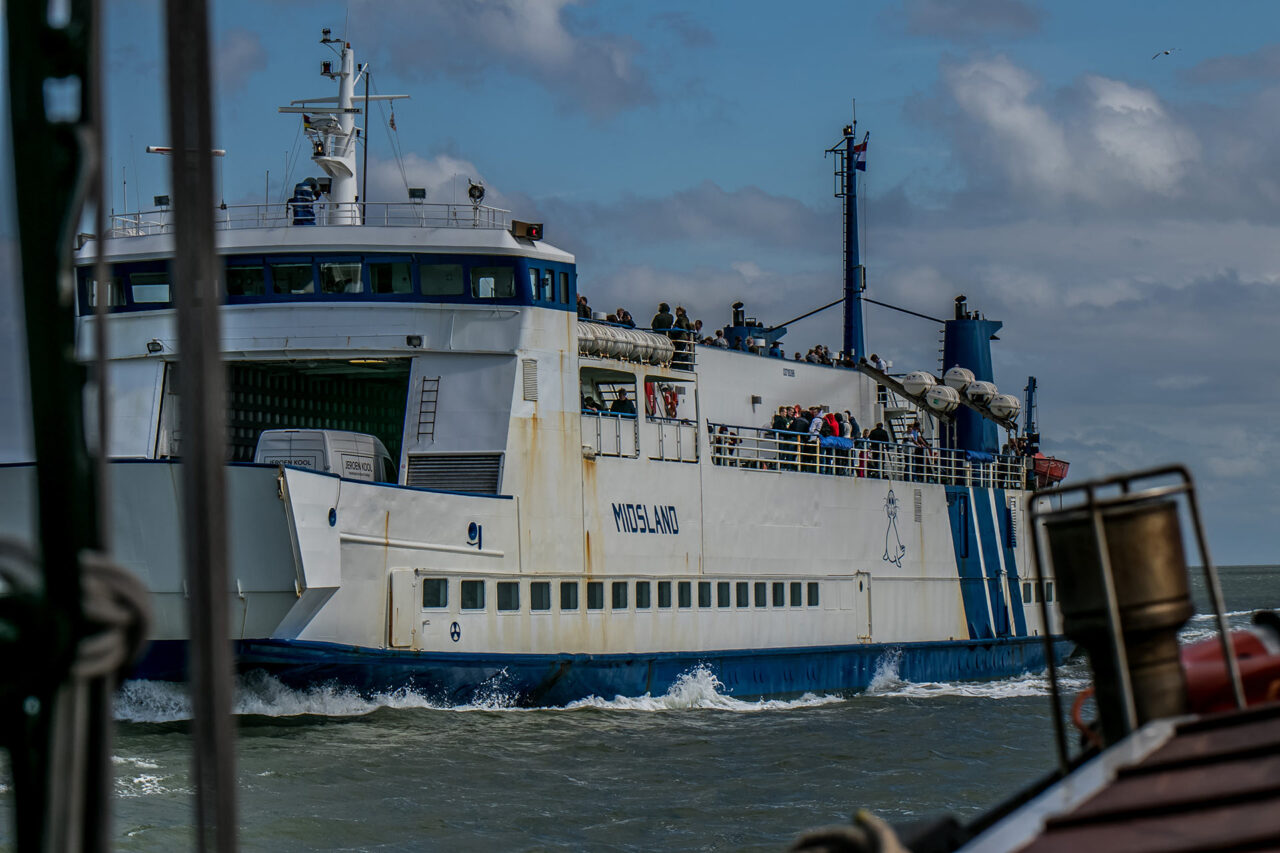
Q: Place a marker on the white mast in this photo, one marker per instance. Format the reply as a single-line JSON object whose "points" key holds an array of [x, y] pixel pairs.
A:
{"points": [[333, 133]]}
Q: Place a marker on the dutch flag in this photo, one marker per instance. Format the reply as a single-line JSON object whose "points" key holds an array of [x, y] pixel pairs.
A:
{"points": [[860, 153]]}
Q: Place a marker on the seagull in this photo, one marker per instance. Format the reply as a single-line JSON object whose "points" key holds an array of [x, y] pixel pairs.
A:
{"points": [[1164, 53]]}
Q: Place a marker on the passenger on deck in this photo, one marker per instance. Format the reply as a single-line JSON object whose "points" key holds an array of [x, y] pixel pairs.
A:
{"points": [[812, 442], [589, 404], [775, 350], [918, 448], [624, 318], [621, 404], [584, 310], [719, 340], [878, 363], [682, 337], [780, 424], [663, 320], [879, 443]]}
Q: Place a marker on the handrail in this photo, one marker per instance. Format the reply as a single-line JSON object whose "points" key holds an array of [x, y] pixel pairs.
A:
{"points": [[767, 449]]}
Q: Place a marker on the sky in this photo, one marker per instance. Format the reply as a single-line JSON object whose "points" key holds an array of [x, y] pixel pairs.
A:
{"points": [[1118, 213]]}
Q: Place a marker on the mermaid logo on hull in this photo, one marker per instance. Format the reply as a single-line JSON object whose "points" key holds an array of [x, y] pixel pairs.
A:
{"points": [[645, 518], [893, 547]]}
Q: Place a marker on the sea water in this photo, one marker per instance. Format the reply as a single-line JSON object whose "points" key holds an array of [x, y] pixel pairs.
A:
{"points": [[693, 769]]}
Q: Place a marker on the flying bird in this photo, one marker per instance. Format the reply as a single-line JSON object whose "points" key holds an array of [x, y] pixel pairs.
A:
{"points": [[1164, 53]]}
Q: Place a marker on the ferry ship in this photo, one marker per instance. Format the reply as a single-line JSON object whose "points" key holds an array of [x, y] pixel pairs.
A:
{"points": [[436, 484]]}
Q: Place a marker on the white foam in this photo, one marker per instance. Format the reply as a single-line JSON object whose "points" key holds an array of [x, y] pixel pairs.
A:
{"points": [[699, 689], [887, 683]]}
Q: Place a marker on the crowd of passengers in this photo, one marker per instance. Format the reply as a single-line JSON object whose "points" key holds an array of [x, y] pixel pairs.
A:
{"points": [[685, 332]]}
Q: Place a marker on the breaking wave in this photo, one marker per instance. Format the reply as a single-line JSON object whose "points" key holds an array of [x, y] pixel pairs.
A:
{"points": [[699, 689], [888, 683]]}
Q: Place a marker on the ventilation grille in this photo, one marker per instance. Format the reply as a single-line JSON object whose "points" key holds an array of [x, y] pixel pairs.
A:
{"points": [[529, 366], [456, 472], [1013, 522], [919, 506]]}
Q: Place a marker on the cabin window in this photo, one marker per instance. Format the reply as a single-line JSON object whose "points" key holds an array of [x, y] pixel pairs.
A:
{"points": [[441, 279], [292, 279], [722, 594], [664, 593], [534, 274], [762, 594], [246, 281], [564, 288], [619, 593], [568, 595], [685, 592], [472, 595], [540, 595], [392, 277], [435, 592], [1048, 590], [779, 594], [149, 287], [642, 595], [340, 277], [115, 292], [743, 594], [1026, 591], [595, 595], [548, 290], [813, 594], [796, 599], [704, 593], [508, 595], [493, 282]]}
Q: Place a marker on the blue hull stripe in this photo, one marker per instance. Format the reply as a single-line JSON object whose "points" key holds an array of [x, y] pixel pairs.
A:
{"points": [[991, 546], [558, 679], [1011, 564], [965, 547]]}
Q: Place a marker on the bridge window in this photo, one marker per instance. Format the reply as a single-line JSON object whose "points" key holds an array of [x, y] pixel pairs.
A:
{"points": [[115, 292], [722, 594], [246, 280], [568, 595], [796, 599], [493, 282], [534, 275], [392, 277], [435, 592], [642, 595], [704, 593], [340, 277], [813, 594], [595, 595], [619, 595], [664, 593], [149, 287], [472, 595], [779, 594], [441, 279], [564, 288], [292, 279], [685, 591], [540, 595], [548, 290]]}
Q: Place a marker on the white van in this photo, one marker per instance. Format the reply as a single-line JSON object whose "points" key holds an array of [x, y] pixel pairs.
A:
{"points": [[352, 455]]}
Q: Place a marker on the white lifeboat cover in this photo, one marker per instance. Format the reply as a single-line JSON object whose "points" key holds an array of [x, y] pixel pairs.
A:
{"points": [[958, 377], [1005, 406], [918, 381], [942, 398], [980, 392]]}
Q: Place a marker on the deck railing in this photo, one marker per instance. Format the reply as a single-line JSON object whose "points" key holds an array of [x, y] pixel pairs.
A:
{"points": [[287, 215], [611, 433], [780, 450], [671, 439]]}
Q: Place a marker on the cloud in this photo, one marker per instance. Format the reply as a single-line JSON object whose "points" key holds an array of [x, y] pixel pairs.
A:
{"points": [[536, 40], [238, 55], [1261, 64], [685, 28], [971, 20]]}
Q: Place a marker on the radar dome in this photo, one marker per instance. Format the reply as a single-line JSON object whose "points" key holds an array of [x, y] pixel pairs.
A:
{"points": [[1005, 406], [958, 377], [917, 382], [980, 392], [942, 398]]}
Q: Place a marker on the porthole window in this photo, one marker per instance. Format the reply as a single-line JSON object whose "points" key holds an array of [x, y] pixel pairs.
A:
{"points": [[568, 595], [472, 597], [664, 593], [685, 591], [813, 594], [540, 595], [642, 595], [722, 594], [796, 599], [779, 594], [595, 595], [619, 592], [435, 592], [508, 595], [704, 593]]}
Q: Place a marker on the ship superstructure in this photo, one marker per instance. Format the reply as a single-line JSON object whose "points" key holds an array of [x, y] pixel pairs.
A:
{"points": [[527, 530]]}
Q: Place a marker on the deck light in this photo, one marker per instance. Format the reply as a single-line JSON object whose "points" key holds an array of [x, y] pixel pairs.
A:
{"points": [[154, 346], [475, 192], [160, 200], [413, 340], [527, 230], [417, 193]]}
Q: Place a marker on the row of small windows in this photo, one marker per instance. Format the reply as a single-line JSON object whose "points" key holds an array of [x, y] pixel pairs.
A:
{"points": [[434, 277], [471, 594], [1036, 589]]}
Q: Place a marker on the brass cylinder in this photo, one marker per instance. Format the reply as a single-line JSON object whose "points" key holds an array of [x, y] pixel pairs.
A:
{"points": [[1149, 569]]}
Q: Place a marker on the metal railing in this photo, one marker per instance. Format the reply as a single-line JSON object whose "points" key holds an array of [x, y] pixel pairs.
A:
{"points": [[671, 439], [780, 450], [611, 433], [247, 216]]}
